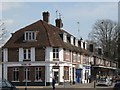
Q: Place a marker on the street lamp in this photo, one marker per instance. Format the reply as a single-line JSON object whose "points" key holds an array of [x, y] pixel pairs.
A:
{"points": [[26, 69]]}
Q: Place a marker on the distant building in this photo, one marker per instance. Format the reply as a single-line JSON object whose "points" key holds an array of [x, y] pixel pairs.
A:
{"points": [[100, 65]]}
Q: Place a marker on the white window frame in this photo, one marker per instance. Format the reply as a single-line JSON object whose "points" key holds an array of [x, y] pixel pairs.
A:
{"points": [[74, 56], [76, 42], [86, 60], [72, 40], [30, 35], [15, 71], [27, 54], [37, 74], [67, 53], [28, 74], [56, 53], [79, 58], [65, 37]]}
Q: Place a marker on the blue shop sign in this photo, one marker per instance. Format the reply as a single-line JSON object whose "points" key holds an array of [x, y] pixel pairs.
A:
{"points": [[87, 67]]}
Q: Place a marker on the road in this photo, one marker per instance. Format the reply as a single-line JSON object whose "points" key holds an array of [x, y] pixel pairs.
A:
{"points": [[88, 86]]}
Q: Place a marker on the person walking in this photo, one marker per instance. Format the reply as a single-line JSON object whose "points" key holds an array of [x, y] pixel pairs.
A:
{"points": [[53, 83]]}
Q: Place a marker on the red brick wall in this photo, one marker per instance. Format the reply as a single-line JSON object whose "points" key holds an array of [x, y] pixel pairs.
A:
{"points": [[39, 54], [10, 72], [13, 55], [21, 73]]}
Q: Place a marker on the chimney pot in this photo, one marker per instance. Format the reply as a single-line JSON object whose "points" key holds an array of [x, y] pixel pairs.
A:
{"points": [[59, 23], [46, 16], [91, 48]]}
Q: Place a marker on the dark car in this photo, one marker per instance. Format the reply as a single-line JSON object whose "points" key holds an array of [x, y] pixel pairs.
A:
{"points": [[117, 86], [6, 85]]}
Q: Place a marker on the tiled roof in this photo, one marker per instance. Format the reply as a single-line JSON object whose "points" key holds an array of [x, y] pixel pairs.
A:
{"points": [[48, 35]]}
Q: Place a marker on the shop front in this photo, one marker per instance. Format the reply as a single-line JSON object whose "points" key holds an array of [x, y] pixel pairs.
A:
{"points": [[86, 73], [79, 73]]}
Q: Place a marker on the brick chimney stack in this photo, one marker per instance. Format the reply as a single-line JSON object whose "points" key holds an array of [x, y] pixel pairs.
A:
{"points": [[59, 23], [46, 16]]}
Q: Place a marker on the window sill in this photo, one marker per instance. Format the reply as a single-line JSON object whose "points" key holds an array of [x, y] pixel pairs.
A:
{"points": [[26, 60], [56, 59], [38, 81], [27, 80], [29, 40], [15, 81]]}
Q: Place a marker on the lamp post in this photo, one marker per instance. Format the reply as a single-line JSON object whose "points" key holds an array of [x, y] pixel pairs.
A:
{"points": [[26, 78]]}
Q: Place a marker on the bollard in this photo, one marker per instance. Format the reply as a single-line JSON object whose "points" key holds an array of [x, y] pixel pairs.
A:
{"points": [[25, 88]]}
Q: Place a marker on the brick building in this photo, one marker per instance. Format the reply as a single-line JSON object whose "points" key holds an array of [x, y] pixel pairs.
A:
{"points": [[40, 51]]}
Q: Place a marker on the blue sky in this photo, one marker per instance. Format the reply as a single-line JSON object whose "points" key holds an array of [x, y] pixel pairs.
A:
{"points": [[17, 15]]}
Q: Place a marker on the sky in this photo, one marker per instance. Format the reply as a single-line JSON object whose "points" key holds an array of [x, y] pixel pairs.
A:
{"points": [[17, 15]]}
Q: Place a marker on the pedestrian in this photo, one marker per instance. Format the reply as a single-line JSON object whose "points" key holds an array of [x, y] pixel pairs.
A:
{"points": [[53, 83], [89, 78]]}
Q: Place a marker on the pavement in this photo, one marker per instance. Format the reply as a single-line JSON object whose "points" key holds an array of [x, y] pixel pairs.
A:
{"points": [[66, 86]]}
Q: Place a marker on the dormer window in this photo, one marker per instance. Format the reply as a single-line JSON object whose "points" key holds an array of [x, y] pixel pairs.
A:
{"points": [[85, 45], [30, 36], [65, 37], [76, 42], [72, 40]]}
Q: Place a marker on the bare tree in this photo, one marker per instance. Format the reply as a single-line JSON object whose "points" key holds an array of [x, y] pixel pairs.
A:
{"points": [[105, 33], [3, 33]]}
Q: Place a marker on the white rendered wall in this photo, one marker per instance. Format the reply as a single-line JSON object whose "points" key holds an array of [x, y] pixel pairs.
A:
{"points": [[83, 75], [5, 71], [20, 54], [32, 54], [5, 59], [61, 52], [5, 55], [61, 73], [49, 74], [48, 54]]}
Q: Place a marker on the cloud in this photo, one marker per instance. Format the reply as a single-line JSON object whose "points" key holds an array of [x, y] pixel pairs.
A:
{"points": [[4, 6], [8, 22], [0, 6], [100, 10]]}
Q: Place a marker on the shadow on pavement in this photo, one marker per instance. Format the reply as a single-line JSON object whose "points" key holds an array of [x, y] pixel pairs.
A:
{"points": [[68, 89]]}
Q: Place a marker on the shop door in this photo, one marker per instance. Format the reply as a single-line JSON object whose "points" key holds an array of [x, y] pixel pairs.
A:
{"points": [[78, 75], [56, 75]]}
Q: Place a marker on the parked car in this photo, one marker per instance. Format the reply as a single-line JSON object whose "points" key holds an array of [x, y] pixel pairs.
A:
{"points": [[6, 85], [117, 86], [104, 81]]}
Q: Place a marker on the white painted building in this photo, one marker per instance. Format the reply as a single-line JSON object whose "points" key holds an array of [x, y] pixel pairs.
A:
{"points": [[41, 51]]}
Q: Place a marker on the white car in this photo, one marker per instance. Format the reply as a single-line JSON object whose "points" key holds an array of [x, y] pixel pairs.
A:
{"points": [[104, 81]]}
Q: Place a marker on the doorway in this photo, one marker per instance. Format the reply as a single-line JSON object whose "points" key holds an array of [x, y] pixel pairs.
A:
{"points": [[56, 75]]}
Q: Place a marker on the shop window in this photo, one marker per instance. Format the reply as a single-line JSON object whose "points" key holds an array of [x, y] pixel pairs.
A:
{"points": [[27, 74], [38, 73], [66, 73], [15, 74]]}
